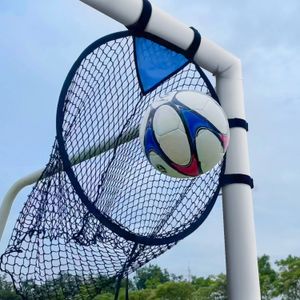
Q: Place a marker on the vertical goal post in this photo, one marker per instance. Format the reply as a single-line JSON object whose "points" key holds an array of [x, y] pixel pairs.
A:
{"points": [[239, 229]]}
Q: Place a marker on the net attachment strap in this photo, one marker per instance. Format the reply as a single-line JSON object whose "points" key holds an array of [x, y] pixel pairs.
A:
{"points": [[194, 46], [237, 178], [140, 25], [237, 122]]}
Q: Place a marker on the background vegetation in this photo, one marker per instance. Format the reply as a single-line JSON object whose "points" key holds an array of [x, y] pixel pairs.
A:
{"points": [[153, 283]]}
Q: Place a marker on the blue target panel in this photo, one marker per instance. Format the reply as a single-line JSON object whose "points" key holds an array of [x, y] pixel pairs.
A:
{"points": [[155, 63]]}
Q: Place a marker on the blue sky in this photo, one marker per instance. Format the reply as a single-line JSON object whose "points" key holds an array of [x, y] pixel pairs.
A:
{"points": [[39, 42]]}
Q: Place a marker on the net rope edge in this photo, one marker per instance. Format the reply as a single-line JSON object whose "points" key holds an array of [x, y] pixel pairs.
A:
{"points": [[104, 219]]}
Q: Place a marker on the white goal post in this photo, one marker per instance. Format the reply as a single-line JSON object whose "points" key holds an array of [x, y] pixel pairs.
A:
{"points": [[239, 229]]}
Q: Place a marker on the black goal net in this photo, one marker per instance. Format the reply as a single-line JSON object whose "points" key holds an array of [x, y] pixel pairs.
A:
{"points": [[100, 210]]}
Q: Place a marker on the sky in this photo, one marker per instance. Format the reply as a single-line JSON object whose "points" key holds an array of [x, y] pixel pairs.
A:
{"points": [[40, 40]]}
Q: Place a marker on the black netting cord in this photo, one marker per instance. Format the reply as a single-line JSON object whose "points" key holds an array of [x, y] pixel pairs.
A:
{"points": [[62, 249]]}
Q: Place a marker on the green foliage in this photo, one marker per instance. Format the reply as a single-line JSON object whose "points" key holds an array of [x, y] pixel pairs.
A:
{"points": [[219, 291], [210, 288], [105, 285], [203, 287], [105, 296], [154, 283], [150, 277], [6, 290], [267, 277], [288, 282], [84, 293], [174, 291], [147, 294]]}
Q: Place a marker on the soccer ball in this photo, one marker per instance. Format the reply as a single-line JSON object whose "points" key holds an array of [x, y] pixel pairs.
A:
{"points": [[184, 134]]}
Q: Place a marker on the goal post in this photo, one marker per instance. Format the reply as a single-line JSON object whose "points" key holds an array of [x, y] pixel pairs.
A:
{"points": [[239, 229]]}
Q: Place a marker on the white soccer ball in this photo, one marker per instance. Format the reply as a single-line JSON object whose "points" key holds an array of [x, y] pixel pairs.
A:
{"points": [[184, 134]]}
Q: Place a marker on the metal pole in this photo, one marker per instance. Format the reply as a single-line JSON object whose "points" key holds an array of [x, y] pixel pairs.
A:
{"points": [[239, 229]]}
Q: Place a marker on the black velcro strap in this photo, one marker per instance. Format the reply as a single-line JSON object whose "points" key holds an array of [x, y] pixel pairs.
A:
{"points": [[140, 25], [236, 122], [192, 49], [237, 178]]}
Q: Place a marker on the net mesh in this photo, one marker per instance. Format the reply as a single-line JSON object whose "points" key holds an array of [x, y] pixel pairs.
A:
{"points": [[100, 210]]}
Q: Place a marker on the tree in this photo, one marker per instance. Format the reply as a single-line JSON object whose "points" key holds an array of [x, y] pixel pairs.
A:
{"points": [[146, 294], [174, 291], [288, 281], [203, 287], [219, 287], [6, 290], [154, 283], [85, 292], [150, 277], [267, 277], [210, 288], [105, 296], [64, 286], [105, 284]]}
